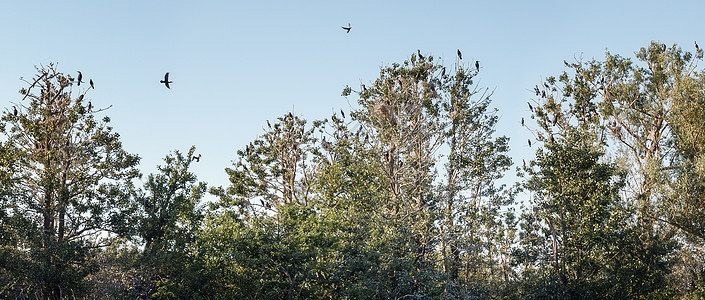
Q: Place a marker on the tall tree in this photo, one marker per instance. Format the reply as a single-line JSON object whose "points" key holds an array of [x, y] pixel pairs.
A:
{"points": [[588, 229], [69, 174], [168, 219], [413, 112]]}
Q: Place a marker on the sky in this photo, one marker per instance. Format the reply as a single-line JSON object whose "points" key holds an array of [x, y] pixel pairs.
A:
{"points": [[235, 64]]}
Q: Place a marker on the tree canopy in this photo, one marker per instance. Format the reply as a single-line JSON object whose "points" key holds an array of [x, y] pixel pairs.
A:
{"points": [[405, 195]]}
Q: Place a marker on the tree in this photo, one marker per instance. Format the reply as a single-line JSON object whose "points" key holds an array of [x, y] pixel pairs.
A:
{"points": [[587, 243], [168, 220], [470, 198], [412, 114], [266, 221], [69, 174]]}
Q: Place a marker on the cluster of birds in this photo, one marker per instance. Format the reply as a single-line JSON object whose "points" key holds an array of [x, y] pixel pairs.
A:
{"points": [[79, 80]]}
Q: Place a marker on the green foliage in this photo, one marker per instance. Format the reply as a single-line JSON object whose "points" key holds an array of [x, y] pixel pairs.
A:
{"points": [[168, 220], [68, 171], [399, 198]]}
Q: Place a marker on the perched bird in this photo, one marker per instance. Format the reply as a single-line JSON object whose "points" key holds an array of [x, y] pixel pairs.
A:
{"points": [[91, 83], [342, 113], [347, 29], [80, 76], [443, 73], [419, 52], [268, 124], [523, 162], [696, 46], [477, 65], [364, 89], [546, 85], [166, 80], [566, 63], [522, 121], [14, 112], [460, 55], [529, 140], [531, 108], [325, 144], [90, 106], [197, 158], [543, 94], [536, 89]]}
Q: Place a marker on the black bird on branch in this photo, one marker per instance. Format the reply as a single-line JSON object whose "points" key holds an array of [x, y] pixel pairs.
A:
{"points": [[477, 65], [342, 113], [443, 73], [460, 55], [347, 29], [522, 121], [269, 124], [419, 52], [529, 140], [197, 158], [91, 83], [80, 77], [696, 46], [14, 112], [531, 108], [166, 80]]}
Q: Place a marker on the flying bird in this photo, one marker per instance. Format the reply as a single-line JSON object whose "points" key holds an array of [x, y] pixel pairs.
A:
{"points": [[166, 80], [80, 76], [197, 158], [347, 29], [91, 82], [477, 65], [460, 55]]}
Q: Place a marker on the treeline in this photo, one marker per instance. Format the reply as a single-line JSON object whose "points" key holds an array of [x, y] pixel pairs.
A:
{"points": [[400, 198]]}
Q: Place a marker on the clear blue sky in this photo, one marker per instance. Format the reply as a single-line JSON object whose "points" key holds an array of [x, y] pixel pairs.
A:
{"points": [[236, 64]]}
